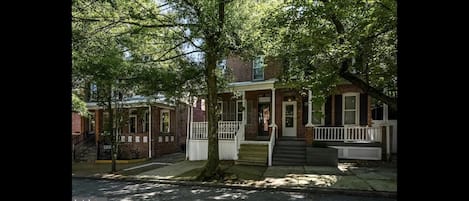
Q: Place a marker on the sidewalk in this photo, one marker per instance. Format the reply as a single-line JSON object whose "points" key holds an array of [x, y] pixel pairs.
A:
{"points": [[347, 178]]}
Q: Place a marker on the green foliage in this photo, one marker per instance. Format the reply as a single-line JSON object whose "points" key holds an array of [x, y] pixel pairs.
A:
{"points": [[79, 105], [314, 39]]}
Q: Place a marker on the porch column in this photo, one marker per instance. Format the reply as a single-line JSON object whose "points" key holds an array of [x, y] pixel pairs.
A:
{"points": [[388, 137], [273, 109], [243, 95], [310, 108]]}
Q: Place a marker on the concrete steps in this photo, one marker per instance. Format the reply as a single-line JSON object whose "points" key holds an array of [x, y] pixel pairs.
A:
{"points": [[289, 151], [86, 151]]}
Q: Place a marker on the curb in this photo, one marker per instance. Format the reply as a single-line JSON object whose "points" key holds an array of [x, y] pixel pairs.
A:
{"points": [[352, 192]]}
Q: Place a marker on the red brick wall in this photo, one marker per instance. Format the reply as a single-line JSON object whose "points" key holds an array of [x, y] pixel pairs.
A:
{"points": [[130, 150], [242, 69], [181, 123], [347, 88], [76, 123], [198, 113], [273, 68]]}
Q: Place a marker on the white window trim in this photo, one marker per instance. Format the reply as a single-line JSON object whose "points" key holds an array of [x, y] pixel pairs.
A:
{"points": [[357, 107], [161, 120], [254, 67], [322, 116], [237, 109], [135, 121]]}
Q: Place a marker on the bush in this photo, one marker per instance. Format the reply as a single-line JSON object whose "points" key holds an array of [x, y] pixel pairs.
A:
{"points": [[319, 144]]}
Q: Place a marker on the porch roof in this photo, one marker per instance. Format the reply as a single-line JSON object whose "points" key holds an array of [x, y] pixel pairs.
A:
{"points": [[136, 101], [251, 85]]}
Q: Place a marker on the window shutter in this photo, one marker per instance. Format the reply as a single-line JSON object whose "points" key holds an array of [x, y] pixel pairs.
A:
{"points": [[328, 111], [363, 109], [338, 110]]}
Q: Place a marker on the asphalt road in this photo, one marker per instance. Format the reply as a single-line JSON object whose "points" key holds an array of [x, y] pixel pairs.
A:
{"points": [[104, 190]]}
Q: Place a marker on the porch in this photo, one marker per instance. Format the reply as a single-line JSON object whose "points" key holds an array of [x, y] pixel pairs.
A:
{"points": [[353, 142]]}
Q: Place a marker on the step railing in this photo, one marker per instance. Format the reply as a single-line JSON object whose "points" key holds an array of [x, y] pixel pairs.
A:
{"points": [[271, 145]]}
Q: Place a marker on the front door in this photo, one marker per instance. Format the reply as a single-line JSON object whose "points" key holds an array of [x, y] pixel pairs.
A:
{"points": [[289, 118]]}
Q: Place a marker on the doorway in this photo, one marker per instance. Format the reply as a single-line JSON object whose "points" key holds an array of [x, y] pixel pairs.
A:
{"points": [[289, 118]]}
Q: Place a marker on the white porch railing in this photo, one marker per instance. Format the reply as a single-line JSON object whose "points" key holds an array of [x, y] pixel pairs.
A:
{"points": [[348, 134], [230, 135], [226, 130]]}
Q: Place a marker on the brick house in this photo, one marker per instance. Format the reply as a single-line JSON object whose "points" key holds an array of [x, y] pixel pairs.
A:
{"points": [[78, 128], [259, 110], [151, 128]]}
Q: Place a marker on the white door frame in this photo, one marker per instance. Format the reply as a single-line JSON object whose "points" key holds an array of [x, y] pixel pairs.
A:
{"points": [[289, 131]]}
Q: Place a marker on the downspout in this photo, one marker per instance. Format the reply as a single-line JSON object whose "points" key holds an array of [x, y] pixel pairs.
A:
{"points": [[149, 131]]}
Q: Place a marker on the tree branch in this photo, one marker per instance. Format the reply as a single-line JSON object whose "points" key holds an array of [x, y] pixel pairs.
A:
{"points": [[173, 57], [132, 23], [375, 93]]}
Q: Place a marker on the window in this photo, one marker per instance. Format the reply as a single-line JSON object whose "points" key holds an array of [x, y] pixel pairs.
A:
{"points": [[133, 121], [350, 108], [202, 104], [146, 122], [317, 117], [222, 65], [93, 92], [164, 121], [258, 68], [239, 110], [228, 111]]}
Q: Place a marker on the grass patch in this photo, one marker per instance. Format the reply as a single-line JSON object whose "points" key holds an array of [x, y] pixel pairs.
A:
{"points": [[247, 172], [192, 174], [189, 175], [140, 170]]}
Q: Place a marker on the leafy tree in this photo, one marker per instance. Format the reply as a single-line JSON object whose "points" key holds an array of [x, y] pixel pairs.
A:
{"points": [[324, 42], [173, 45], [79, 105]]}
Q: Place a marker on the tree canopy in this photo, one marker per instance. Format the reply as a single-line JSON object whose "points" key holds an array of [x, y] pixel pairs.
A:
{"points": [[325, 42]]}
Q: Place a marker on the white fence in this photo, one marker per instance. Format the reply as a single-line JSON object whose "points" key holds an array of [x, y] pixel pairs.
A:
{"points": [[229, 137], [348, 134], [198, 150]]}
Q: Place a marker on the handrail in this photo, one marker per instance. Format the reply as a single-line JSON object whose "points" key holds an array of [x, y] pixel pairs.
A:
{"points": [[271, 145]]}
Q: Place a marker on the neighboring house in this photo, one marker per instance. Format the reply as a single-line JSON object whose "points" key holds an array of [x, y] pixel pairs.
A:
{"points": [[78, 128], [151, 128], [258, 112]]}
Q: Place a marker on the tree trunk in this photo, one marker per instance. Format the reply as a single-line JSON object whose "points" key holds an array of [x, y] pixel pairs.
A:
{"points": [[211, 168], [110, 129]]}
